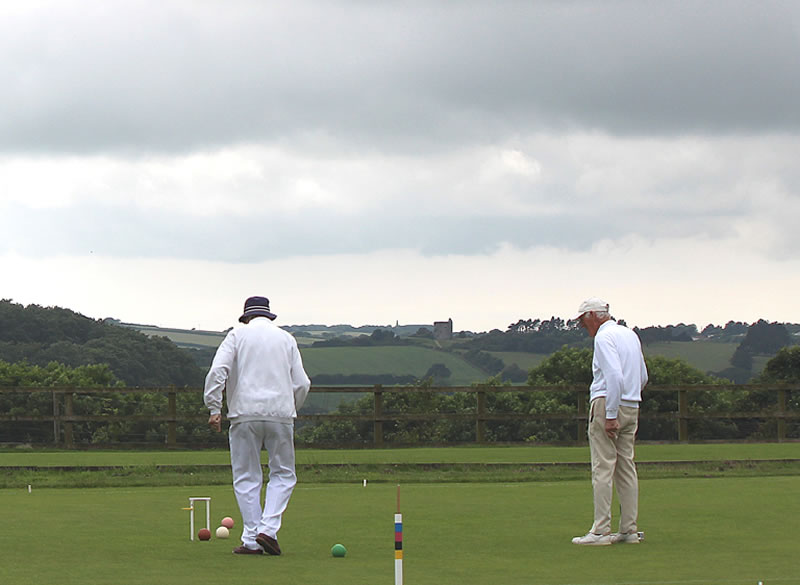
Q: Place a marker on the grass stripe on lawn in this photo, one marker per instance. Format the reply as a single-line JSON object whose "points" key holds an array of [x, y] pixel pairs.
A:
{"points": [[472, 454], [698, 531]]}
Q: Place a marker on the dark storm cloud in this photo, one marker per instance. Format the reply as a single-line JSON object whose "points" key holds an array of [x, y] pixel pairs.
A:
{"points": [[177, 76]]}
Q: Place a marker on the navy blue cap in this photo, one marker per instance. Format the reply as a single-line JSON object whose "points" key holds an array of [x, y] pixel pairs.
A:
{"points": [[256, 307]]}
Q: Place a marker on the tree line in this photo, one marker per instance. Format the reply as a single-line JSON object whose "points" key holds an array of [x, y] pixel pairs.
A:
{"points": [[566, 367], [760, 338], [32, 404], [57, 347], [42, 335], [379, 337]]}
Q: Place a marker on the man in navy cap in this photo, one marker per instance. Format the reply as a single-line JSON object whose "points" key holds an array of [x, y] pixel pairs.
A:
{"points": [[619, 375], [260, 369]]}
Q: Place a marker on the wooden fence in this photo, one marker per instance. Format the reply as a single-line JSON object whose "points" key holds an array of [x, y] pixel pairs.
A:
{"points": [[63, 417]]}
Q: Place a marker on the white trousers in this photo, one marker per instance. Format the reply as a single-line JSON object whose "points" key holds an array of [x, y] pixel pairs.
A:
{"points": [[613, 466], [247, 439]]}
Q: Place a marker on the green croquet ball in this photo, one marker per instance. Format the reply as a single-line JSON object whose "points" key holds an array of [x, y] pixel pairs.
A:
{"points": [[338, 550]]}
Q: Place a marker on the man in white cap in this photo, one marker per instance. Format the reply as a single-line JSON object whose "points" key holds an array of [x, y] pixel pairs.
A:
{"points": [[260, 369], [619, 375]]}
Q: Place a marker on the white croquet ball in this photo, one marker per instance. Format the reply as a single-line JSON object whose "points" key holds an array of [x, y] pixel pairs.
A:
{"points": [[223, 532]]}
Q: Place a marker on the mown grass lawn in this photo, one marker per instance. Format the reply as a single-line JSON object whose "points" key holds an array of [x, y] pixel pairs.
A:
{"points": [[698, 531]]}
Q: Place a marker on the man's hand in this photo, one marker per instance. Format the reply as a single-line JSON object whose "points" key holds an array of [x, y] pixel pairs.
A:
{"points": [[215, 422], [612, 427]]}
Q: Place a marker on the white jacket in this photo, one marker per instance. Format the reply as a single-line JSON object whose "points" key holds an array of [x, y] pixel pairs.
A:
{"points": [[260, 368], [618, 367]]}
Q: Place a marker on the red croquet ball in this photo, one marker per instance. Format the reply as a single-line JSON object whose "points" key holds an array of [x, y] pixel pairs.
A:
{"points": [[204, 534], [227, 522]]}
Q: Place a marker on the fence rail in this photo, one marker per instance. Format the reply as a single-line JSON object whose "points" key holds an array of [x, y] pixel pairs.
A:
{"points": [[63, 416]]}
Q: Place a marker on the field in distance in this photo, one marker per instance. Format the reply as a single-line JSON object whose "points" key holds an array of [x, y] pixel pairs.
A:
{"points": [[707, 356], [396, 360], [415, 360]]}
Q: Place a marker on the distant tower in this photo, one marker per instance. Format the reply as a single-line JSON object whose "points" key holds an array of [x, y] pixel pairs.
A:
{"points": [[443, 330]]}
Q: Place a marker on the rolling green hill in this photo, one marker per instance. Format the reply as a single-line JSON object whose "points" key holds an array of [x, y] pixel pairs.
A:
{"points": [[396, 360], [40, 335], [182, 337], [705, 356], [526, 361]]}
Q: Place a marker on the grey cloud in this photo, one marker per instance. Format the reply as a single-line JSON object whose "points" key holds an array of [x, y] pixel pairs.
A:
{"points": [[130, 232], [179, 76]]}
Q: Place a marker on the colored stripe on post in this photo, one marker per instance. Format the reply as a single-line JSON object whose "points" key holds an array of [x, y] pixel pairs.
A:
{"points": [[398, 543]]}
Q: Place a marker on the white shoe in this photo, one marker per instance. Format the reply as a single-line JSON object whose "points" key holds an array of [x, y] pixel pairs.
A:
{"points": [[592, 539], [629, 538]]}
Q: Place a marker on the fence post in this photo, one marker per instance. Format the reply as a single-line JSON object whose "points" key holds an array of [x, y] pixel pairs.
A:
{"points": [[171, 423], [781, 414], [378, 422], [683, 416], [56, 421], [68, 421], [582, 424], [480, 421]]}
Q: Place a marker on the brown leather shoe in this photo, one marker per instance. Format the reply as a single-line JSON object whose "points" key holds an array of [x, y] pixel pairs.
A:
{"points": [[269, 544], [243, 550]]}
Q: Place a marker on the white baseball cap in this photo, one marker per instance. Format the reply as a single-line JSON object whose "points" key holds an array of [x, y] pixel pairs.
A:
{"points": [[592, 304]]}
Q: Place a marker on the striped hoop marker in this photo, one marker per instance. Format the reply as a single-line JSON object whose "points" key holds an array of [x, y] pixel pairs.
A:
{"points": [[398, 543]]}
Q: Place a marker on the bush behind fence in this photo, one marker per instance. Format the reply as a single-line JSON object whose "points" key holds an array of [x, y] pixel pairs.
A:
{"points": [[378, 416]]}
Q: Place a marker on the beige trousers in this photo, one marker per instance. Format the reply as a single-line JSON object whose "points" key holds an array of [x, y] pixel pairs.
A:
{"points": [[613, 465]]}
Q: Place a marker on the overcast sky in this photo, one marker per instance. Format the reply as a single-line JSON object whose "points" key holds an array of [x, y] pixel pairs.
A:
{"points": [[369, 162]]}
